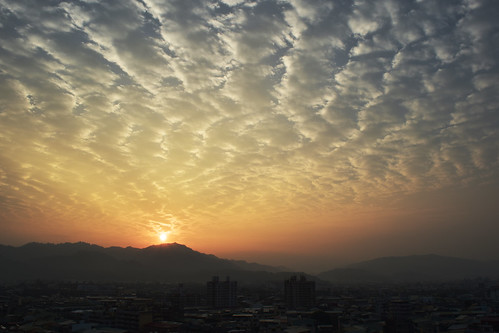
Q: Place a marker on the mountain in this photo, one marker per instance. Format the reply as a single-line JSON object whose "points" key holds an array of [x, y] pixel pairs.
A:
{"points": [[82, 261], [174, 262], [417, 268]]}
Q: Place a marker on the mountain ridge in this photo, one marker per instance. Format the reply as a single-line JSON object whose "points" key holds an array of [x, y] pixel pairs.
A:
{"points": [[412, 268], [170, 262], [174, 262]]}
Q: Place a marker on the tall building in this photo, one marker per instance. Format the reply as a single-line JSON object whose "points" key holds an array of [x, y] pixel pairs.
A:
{"points": [[299, 293], [399, 319], [221, 294]]}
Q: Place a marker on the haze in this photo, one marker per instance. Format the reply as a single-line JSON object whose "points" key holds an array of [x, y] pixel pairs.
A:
{"points": [[301, 133]]}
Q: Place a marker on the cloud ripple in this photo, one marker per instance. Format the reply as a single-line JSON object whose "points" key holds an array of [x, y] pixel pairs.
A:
{"points": [[188, 115]]}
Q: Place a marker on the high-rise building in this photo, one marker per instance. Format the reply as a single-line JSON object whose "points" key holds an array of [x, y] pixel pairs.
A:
{"points": [[299, 293], [221, 294], [399, 319]]}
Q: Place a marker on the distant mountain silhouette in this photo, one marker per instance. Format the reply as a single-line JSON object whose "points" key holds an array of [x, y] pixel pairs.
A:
{"points": [[174, 262], [82, 261], [415, 268]]}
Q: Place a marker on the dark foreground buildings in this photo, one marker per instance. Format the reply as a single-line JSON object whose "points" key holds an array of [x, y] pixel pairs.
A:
{"points": [[469, 306], [221, 294], [299, 293]]}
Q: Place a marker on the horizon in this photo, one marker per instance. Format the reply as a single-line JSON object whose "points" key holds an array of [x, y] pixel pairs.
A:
{"points": [[311, 133], [312, 267]]}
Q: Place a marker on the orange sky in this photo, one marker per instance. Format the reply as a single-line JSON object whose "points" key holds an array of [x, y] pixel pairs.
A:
{"points": [[305, 133]]}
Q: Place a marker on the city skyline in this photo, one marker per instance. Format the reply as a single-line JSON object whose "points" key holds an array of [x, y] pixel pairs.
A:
{"points": [[312, 133]]}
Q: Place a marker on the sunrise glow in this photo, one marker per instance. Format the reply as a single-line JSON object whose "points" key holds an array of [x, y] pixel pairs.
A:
{"points": [[335, 129], [163, 237]]}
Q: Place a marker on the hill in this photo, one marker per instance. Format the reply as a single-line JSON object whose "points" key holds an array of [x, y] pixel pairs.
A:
{"points": [[417, 268], [82, 261]]}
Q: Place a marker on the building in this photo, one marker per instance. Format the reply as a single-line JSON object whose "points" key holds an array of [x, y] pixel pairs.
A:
{"points": [[221, 294], [399, 317], [299, 293]]}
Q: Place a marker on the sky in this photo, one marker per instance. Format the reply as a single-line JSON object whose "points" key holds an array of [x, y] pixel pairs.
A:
{"points": [[302, 133]]}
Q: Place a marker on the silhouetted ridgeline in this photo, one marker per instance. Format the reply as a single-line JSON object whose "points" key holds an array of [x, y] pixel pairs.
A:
{"points": [[178, 263], [418, 268], [83, 261]]}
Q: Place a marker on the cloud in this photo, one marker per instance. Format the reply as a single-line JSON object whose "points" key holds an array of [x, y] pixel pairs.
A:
{"points": [[201, 112]]}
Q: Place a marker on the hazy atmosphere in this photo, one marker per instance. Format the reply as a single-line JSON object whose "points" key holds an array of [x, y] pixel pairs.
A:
{"points": [[297, 133]]}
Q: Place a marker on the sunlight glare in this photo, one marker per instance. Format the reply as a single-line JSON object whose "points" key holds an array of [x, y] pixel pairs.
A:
{"points": [[163, 237]]}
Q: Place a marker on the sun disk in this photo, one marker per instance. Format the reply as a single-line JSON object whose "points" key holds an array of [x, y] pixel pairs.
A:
{"points": [[163, 237]]}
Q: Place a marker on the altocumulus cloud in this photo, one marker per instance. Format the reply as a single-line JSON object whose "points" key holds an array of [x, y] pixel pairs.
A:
{"points": [[169, 114]]}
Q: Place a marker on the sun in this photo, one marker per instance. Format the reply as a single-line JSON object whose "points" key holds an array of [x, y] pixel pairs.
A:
{"points": [[163, 236]]}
